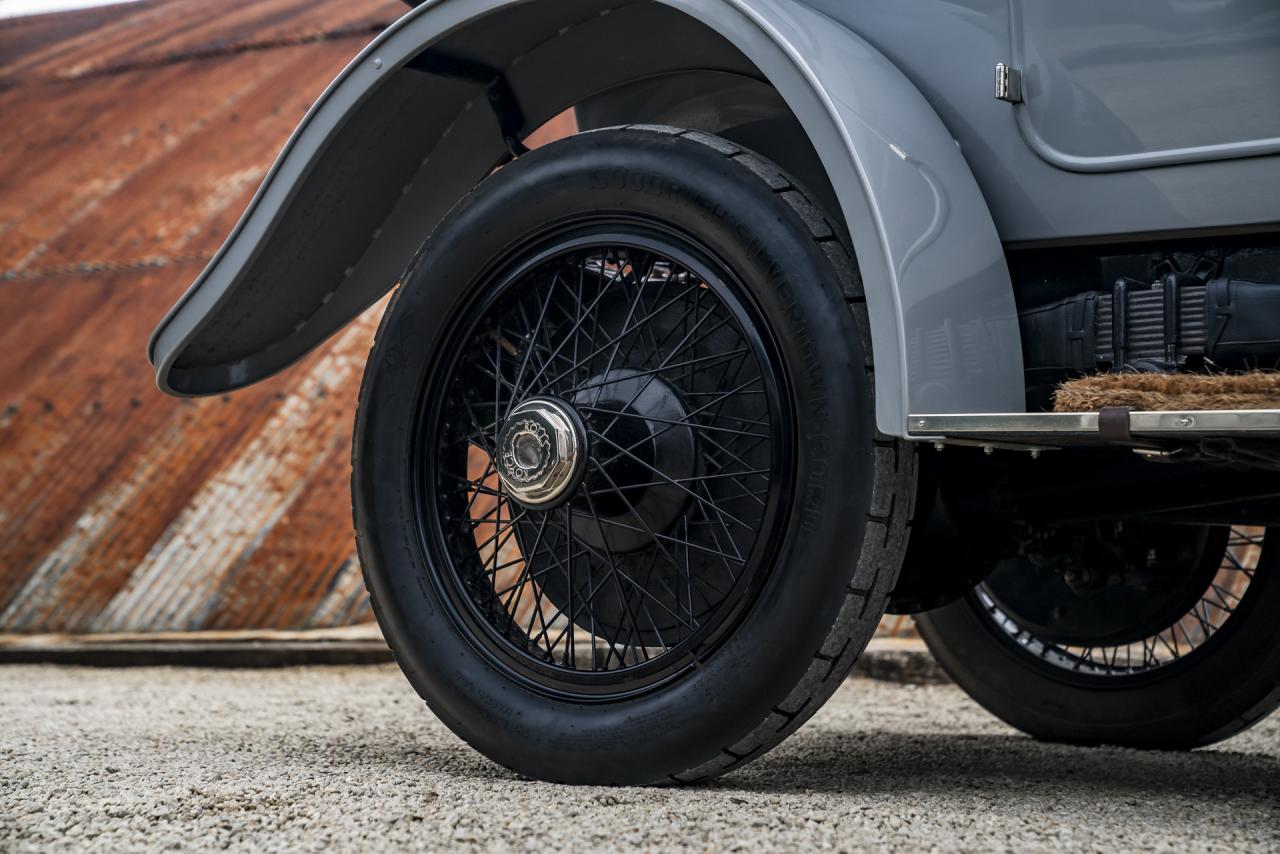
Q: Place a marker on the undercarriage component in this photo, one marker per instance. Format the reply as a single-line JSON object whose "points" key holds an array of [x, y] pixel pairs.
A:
{"points": [[977, 512], [957, 539], [1177, 323], [1077, 486]]}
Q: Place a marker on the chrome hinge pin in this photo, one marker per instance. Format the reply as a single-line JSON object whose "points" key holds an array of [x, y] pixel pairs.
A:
{"points": [[1008, 83]]}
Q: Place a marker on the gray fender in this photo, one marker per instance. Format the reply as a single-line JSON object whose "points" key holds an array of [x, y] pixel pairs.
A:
{"points": [[351, 197]]}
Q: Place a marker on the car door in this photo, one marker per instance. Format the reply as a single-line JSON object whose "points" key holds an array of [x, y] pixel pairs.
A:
{"points": [[1114, 85]]}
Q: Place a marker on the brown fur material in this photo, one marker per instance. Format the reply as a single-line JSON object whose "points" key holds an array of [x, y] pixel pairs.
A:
{"points": [[1156, 392]]}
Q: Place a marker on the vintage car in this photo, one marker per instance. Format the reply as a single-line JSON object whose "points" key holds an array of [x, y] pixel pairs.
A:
{"points": [[957, 308]]}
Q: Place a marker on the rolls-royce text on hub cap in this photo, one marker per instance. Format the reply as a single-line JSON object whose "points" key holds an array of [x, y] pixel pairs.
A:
{"points": [[543, 451]]}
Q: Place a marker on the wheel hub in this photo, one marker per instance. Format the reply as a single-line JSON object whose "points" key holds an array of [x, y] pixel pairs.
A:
{"points": [[644, 452], [1089, 586], [542, 451]]}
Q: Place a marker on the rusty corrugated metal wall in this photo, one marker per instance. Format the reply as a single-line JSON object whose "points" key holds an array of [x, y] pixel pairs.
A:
{"points": [[131, 139]]}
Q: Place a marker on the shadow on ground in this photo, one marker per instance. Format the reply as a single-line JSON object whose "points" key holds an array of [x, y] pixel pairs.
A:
{"points": [[828, 760]]}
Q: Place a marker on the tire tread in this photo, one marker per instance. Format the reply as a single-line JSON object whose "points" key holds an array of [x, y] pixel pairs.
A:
{"points": [[867, 593]]}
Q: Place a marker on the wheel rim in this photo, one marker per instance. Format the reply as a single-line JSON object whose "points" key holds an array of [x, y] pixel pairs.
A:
{"points": [[1184, 639], [602, 477]]}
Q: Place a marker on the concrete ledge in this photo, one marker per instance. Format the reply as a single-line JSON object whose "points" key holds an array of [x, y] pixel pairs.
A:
{"points": [[199, 654], [887, 659], [361, 644]]}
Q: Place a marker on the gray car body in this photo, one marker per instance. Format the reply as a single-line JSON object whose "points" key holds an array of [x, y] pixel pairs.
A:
{"points": [[1139, 117]]}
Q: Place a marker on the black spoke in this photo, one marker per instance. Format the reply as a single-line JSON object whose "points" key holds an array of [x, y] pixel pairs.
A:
{"points": [[682, 422]]}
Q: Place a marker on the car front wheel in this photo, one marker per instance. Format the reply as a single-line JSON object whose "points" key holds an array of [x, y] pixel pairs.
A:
{"points": [[619, 498]]}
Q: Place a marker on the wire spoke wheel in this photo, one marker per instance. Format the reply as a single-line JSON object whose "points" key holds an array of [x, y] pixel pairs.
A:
{"points": [[615, 462], [1134, 633], [1233, 561], [605, 460]]}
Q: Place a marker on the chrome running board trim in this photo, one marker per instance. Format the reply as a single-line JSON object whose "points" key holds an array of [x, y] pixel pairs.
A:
{"points": [[1210, 422], [1062, 423], [1207, 421]]}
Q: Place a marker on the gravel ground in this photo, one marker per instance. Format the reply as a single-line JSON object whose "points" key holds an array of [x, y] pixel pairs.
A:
{"points": [[348, 758]]}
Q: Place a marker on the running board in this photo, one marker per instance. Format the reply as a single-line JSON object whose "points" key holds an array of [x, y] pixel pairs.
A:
{"points": [[1110, 425]]}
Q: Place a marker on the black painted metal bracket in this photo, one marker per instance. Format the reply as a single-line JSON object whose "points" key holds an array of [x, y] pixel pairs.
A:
{"points": [[501, 97], [1113, 424]]}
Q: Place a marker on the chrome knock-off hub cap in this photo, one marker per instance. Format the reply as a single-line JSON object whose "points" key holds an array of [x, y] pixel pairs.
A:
{"points": [[542, 450]]}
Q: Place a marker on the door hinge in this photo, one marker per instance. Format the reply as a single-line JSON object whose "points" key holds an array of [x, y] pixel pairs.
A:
{"points": [[1008, 83]]}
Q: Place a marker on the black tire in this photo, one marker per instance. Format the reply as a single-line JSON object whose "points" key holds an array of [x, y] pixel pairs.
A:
{"points": [[840, 543], [1220, 688]]}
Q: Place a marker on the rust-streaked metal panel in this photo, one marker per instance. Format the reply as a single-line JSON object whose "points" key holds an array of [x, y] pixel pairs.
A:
{"points": [[133, 137]]}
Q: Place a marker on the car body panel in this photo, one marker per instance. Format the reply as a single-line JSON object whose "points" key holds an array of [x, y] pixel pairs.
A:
{"points": [[1128, 84]]}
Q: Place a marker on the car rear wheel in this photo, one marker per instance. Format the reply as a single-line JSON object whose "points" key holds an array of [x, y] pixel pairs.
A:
{"points": [[620, 502], [1175, 650]]}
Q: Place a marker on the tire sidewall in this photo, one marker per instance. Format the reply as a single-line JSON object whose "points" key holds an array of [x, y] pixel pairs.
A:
{"points": [[735, 216]]}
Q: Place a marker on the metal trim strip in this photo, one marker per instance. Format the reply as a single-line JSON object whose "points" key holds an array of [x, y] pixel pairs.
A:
{"points": [[1217, 421]]}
